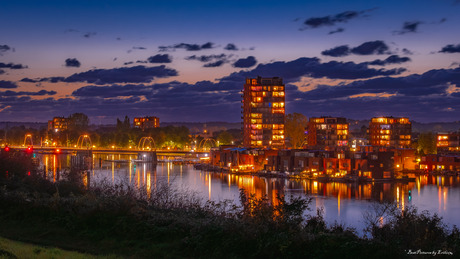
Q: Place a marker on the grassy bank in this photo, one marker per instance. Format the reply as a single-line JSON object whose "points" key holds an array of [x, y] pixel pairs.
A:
{"points": [[10, 249]]}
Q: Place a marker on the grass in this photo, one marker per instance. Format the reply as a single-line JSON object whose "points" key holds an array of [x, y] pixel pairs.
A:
{"points": [[10, 249]]}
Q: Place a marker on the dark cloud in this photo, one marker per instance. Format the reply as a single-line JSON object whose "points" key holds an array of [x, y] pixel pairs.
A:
{"points": [[7, 84], [4, 48], [407, 52], [371, 48], [339, 51], [89, 34], [2, 71], [47, 79], [207, 58], [12, 66], [245, 62], [409, 27], [159, 58], [21, 93], [376, 47], [421, 97], [141, 48], [450, 49], [292, 71], [215, 64], [128, 63], [393, 59], [231, 46], [338, 30], [72, 62], [330, 20], [136, 74], [187, 47]]}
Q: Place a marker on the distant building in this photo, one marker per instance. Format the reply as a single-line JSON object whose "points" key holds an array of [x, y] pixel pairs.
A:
{"points": [[263, 113], [390, 132], [146, 122], [327, 132], [58, 124], [448, 141]]}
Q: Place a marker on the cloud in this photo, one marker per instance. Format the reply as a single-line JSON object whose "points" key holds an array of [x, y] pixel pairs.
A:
{"points": [[231, 46], [331, 20], [376, 47], [89, 34], [215, 64], [141, 48], [21, 93], [407, 52], [136, 74], [187, 47], [159, 58], [207, 58], [245, 62], [7, 84], [409, 27], [12, 66], [338, 30], [393, 59], [450, 49], [4, 48], [292, 71], [72, 62], [420, 96], [339, 51], [128, 63], [371, 48]]}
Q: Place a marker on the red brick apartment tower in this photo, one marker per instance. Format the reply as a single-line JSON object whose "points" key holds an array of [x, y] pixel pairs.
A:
{"points": [[390, 132], [263, 113]]}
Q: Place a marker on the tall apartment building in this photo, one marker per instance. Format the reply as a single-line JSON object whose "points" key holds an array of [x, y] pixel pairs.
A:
{"points": [[263, 112], [390, 132], [58, 124], [327, 132], [147, 122]]}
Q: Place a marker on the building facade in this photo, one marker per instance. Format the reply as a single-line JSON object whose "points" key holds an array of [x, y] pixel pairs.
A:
{"points": [[146, 122], [263, 112], [390, 132], [58, 124], [448, 142], [327, 132]]}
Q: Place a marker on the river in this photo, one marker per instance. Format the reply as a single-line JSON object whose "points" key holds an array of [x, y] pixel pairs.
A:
{"points": [[343, 203]]}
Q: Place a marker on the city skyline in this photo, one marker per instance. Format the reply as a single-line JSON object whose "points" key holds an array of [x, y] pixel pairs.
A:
{"points": [[188, 61]]}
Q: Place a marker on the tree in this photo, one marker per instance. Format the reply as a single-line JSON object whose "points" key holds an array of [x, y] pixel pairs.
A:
{"points": [[78, 122], [295, 129], [426, 143], [225, 138]]}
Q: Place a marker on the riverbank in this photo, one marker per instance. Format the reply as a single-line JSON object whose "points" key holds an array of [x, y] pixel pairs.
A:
{"points": [[302, 176], [13, 249]]}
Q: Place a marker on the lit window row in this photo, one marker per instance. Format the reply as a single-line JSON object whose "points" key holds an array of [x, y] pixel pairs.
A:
{"points": [[279, 110], [256, 143], [277, 137], [278, 94], [278, 105], [256, 115], [342, 132]]}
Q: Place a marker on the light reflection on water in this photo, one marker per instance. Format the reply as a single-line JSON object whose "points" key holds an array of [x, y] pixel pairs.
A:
{"points": [[341, 202]]}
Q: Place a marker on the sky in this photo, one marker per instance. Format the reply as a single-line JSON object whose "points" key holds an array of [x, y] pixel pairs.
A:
{"points": [[188, 60]]}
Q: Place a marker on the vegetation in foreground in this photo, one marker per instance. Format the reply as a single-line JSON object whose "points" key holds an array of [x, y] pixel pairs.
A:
{"points": [[10, 249], [166, 223]]}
